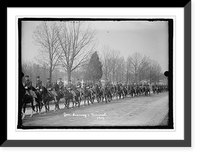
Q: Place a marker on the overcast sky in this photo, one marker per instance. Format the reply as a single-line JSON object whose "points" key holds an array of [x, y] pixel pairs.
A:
{"points": [[147, 38]]}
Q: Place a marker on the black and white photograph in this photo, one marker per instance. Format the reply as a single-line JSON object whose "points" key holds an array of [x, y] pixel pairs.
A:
{"points": [[95, 73]]}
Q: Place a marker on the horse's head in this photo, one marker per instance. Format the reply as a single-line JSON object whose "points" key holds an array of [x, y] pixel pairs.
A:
{"points": [[43, 90]]}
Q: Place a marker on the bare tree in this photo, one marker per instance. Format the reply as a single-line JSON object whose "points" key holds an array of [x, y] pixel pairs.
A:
{"points": [[114, 59], [135, 60], [120, 69], [155, 71], [45, 37], [110, 58], [77, 42], [143, 68], [129, 75], [106, 61]]}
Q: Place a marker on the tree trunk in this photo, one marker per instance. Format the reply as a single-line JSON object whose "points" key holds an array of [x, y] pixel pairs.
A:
{"points": [[68, 75], [50, 74], [113, 76]]}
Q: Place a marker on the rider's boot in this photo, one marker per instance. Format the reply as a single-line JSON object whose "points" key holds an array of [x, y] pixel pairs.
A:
{"points": [[55, 99], [34, 102]]}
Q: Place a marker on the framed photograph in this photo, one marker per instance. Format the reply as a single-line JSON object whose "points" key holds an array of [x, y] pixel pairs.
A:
{"points": [[99, 77]]}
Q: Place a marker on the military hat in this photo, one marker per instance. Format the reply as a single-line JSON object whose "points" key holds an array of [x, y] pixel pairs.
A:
{"points": [[48, 78], [27, 76], [38, 77]]}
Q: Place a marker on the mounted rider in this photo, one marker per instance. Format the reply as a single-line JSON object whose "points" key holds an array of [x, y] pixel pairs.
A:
{"points": [[38, 85], [50, 88], [28, 87], [61, 84], [107, 83], [72, 89], [99, 84], [78, 84]]}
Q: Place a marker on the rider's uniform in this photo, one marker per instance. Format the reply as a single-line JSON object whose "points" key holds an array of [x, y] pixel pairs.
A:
{"points": [[61, 85], [100, 84], [28, 87], [72, 88], [78, 84], [49, 87], [38, 84]]}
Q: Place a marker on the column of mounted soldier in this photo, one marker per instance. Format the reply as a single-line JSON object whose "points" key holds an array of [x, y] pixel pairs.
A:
{"points": [[41, 95]]}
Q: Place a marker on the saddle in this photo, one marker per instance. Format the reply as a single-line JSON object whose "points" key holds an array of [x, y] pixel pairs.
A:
{"points": [[73, 92], [50, 94]]}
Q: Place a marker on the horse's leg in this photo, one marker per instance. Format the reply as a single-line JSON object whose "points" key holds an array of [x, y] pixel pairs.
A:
{"points": [[45, 106], [56, 107], [57, 104], [39, 105], [91, 98], [65, 102], [33, 108], [78, 100], [98, 98], [88, 101], [73, 103], [84, 99], [68, 102], [23, 110], [42, 104]]}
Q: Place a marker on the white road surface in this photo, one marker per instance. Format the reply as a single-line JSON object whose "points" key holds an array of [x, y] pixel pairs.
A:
{"points": [[136, 111]]}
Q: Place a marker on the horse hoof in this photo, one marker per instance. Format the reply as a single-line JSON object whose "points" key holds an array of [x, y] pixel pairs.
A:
{"points": [[31, 115]]}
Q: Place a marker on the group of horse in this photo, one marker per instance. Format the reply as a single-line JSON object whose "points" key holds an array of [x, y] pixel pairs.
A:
{"points": [[86, 94]]}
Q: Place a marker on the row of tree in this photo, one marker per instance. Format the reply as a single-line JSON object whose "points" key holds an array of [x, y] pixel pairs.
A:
{"points": [[68, 44], [34, 70], [135, 68], [67, 49], [110, 66]]}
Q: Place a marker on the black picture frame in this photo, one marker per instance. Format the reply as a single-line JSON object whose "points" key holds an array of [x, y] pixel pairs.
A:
{"points": [[128, 143]]}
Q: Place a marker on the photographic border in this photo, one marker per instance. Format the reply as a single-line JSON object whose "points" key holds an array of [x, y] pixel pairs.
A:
{"points": [[170, 23]]}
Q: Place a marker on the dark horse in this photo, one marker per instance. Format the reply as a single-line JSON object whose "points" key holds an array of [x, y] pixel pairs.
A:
{"points": [[107, 94], [68, 96], [119, 92], [147, 91], [27, 98], [98, 93], [47, 97], [131, 90], [87, 95], [125, 90]]}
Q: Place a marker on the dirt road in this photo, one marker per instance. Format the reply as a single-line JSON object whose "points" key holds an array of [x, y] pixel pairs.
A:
{"points": [[137, 111]]}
